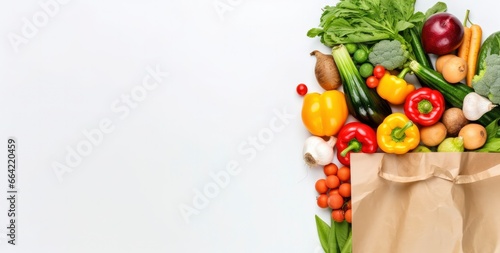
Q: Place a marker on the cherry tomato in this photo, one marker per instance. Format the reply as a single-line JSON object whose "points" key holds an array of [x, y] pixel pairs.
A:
{"points": [[330, 169], [344, 174], [345, 190], [372, 82], [332, 191], [379, 71], [338, 215], [322, 201], [348, 215], [332, 181], [335, 201], [302, 89], [321, 186]]}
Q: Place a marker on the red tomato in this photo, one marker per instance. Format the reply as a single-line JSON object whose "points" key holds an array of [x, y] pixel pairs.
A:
{"points": [[335, 201], [330, 169], [338, 215], [379, 71], [332, 181], [332, 191], [302, 89], [372, 82], [322, 201], [321, 186], [344, 174], [348, 215], [345, 190]]}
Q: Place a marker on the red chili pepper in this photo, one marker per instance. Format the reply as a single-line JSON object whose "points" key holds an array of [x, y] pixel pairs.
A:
{"points": [[424, 106], [355, 137]]}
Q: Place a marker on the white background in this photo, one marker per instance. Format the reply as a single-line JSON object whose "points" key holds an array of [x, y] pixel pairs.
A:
{"points": [[231, 74]]}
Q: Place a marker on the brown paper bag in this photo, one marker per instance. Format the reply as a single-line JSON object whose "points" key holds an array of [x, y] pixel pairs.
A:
{"points": [[426, 202]]}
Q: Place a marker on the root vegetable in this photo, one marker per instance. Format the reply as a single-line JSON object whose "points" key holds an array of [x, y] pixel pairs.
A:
{"points": [[455, 69], [475, 106], [454, 119], [433, 135], [326, 71], [474, 136], [318, 151], [441, 60], [464, 49], [475, 45]]}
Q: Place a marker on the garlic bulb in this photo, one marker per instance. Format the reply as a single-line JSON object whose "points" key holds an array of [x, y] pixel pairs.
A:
{"points": [[318, 151], [475, 105]]}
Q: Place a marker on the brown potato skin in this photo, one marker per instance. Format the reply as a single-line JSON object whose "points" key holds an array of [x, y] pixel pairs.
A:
{"points": [[431, 136], [326, 71], [454, 119]]}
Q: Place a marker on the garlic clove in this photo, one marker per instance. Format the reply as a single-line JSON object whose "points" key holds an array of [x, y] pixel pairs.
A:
{"points": [[318, 151], [474, 106]]}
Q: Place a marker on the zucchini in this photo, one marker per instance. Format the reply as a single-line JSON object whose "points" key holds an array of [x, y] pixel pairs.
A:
{"points": [[491, 45], [363, 103], [418, 51], [420, 55], [453, 93]]}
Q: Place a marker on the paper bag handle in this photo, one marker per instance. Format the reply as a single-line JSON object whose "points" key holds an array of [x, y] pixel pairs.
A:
{"points": [[444, 174]]}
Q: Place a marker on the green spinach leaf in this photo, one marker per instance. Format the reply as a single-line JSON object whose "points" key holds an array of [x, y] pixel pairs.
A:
{"points": [[323, 233], [333, 246]]}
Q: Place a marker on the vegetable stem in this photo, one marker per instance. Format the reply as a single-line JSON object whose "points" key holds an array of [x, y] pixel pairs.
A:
{"points": [[466, 17], [398, 133], [353, 145], [425, 106], [403, 73]]}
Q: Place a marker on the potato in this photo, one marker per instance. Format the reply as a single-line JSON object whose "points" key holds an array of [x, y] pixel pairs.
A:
{"points": [[454, 119], [433, 135]]}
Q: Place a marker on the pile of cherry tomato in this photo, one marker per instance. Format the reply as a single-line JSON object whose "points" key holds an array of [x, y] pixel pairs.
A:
{"points": [[335, 192]]}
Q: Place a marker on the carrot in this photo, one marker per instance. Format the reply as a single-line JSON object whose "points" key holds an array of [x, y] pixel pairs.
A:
{"points": [[464, 49], [475, 44]]}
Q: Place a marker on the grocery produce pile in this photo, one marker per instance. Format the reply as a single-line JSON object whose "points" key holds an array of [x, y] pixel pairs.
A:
{"points": [[375, 45]]}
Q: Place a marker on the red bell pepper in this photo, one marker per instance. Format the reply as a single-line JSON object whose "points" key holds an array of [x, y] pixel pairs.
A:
{"points": [[424, 106], [355, 137]]}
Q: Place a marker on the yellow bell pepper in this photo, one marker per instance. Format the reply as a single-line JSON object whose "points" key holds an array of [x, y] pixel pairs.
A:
{"points": [[394, 89], [324, 114], [397, 134]]}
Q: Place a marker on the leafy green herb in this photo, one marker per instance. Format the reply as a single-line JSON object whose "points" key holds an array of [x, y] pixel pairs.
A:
{"points": [[347, 248], [437, 8], [335, 238], [333, 246], [361, 21], [342, 233], [323, 233], [370, 21]]}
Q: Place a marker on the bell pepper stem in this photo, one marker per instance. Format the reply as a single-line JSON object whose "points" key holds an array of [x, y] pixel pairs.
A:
{"points": [[353, 145], [425, 106], [398, 133], [403, 72]]}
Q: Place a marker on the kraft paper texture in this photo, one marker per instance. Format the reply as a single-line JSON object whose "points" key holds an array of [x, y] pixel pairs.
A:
{"points": [[426, 202]]}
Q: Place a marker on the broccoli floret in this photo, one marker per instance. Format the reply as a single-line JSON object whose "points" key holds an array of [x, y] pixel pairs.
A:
{"points": [[389, 53], [487, 82]]}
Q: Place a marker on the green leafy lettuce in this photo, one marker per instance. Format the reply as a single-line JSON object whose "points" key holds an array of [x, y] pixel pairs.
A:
{"points": [[369, 21]]}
